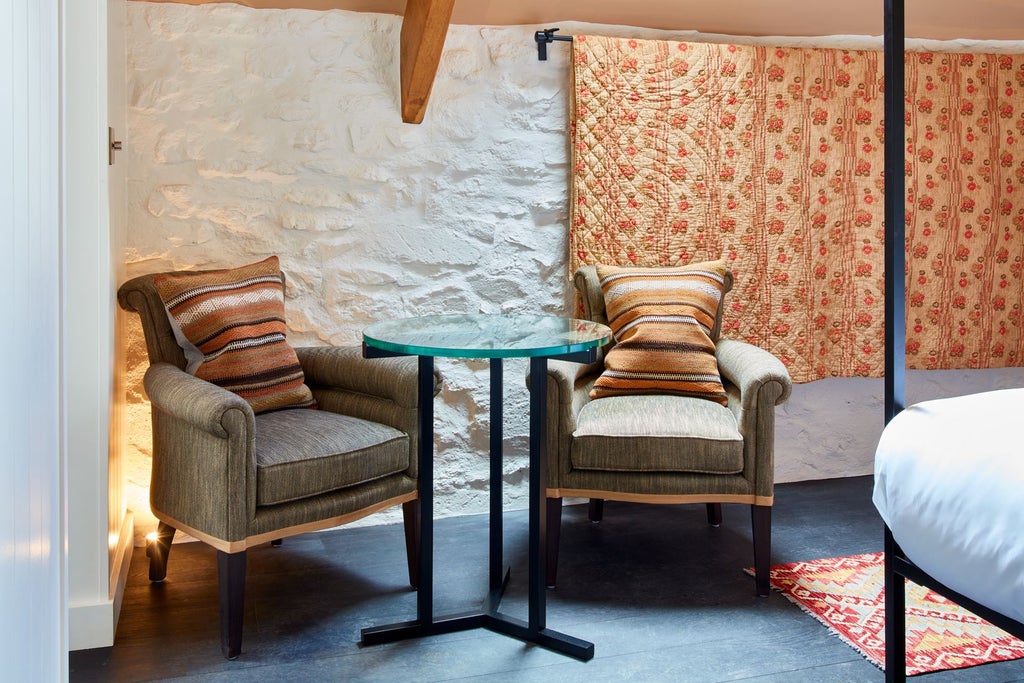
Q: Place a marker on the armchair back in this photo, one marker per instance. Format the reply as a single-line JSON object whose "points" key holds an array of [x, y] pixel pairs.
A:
{"points": [[140, 296]]}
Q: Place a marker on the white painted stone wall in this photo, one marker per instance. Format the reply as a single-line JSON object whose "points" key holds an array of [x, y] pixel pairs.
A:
{"points": [[257, 132]]}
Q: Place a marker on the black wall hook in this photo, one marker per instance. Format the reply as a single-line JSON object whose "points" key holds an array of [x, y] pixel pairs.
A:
{"points": [[543, 38]]}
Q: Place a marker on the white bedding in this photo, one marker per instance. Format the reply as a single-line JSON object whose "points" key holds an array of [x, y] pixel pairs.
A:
{"points": [[949, 482]]}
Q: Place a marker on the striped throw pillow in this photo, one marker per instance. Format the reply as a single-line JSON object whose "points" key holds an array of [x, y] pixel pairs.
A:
{"points": [[230, 324], [662, 319]]}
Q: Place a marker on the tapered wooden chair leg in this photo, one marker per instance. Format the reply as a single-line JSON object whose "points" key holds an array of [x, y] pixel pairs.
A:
{"points": [[231, 580], [595, 511], [761, 516], [411, 520], [158, 551], [554, 532], [715, 514]]}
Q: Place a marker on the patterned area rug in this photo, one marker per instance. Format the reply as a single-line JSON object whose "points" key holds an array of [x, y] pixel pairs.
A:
{"points": [[846, 594]]}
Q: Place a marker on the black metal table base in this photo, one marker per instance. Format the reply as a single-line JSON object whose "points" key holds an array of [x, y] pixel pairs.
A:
{"points": [[534, 630], [496, 622]]}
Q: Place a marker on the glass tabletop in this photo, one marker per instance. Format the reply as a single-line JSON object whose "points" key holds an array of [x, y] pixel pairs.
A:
{"points": [[486, 335]]}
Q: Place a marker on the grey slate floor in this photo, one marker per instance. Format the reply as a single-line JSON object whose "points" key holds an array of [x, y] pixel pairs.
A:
{"points": [[660, 594]]}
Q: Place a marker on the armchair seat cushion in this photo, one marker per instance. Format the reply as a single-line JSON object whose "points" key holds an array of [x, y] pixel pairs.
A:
{"points": [[303, 453], [657, 433]]}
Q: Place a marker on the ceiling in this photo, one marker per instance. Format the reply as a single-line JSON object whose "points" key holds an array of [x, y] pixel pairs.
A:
{"points": [[935, 19]]}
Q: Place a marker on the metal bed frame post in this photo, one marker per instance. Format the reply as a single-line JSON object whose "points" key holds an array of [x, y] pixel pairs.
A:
{"points": [[898, 567], [895, 212], [895, 310]]}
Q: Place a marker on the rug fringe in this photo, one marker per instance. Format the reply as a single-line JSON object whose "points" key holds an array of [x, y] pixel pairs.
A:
{"points": [[832, 632]]}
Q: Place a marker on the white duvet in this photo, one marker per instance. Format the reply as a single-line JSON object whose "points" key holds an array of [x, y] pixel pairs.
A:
{"points": [[949, 482]]}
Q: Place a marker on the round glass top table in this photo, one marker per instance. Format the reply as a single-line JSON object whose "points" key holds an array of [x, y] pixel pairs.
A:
{"points": [[486, 336], [539, 338]]}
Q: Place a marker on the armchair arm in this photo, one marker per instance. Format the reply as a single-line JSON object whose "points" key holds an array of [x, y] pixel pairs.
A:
{"points": [[194, 401], [204, 469], [756, 382], [568, 391], [752, 369], [570, 384], [344, 368]]}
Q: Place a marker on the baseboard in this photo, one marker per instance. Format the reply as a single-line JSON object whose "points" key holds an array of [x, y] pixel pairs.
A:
{"points": [[120, 566], [95, 624]]}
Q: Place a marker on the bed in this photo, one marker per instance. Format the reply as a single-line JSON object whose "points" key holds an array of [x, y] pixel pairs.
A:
{"points": [[949, 478]]}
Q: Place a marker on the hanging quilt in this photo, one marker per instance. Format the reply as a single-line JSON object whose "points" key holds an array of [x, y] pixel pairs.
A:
{"points": [[772, 158]]}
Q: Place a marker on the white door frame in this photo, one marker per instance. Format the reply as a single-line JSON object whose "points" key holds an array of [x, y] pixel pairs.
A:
{"points": [[99, 541]]}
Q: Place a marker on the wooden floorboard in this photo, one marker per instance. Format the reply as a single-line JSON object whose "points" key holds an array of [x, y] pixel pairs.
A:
{"points": [[660, 594]]}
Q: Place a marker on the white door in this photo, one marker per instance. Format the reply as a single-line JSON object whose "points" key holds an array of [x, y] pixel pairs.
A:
{"points": [[31, 540]]}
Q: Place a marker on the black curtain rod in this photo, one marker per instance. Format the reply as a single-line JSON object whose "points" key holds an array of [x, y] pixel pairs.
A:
{"points": [[543, 38]]}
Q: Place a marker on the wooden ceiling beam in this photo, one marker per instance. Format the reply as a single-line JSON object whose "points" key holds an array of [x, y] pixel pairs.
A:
{"points": [[424, 28]]}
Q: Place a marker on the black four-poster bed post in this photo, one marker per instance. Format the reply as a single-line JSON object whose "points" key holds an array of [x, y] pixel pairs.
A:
{"points": [[895, 320]]}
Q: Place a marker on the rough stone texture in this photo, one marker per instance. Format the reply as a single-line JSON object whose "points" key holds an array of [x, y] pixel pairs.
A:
{"points": [[257, 132]]}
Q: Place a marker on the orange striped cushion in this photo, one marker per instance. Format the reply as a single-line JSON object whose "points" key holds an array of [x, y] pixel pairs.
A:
{"points": [[661, 319], [230, 324]]}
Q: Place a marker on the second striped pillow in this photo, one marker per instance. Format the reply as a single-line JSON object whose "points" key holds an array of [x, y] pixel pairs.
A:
{"points": [[662, 320]]}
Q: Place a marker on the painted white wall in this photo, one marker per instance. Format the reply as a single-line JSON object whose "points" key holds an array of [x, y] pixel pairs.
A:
{"points": [[278, 131], [99, 528], [32, 582]]}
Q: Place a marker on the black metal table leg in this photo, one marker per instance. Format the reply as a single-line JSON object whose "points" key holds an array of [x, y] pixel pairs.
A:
{"points": [[538, 527], [425, 591], [425, 594], [536, 630], [497, 575]]}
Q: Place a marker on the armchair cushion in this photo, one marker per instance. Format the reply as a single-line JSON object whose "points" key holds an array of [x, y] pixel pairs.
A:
{"points": [[662, 320], [657, 433], [231, 326], [303, 453]]}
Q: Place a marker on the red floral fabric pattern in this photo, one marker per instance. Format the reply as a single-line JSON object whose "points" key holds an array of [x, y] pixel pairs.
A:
{"points": [[772, 158]]}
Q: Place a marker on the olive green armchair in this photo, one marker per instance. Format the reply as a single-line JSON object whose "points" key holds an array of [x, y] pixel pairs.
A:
{"points": [[665, 448], [234, 479]]}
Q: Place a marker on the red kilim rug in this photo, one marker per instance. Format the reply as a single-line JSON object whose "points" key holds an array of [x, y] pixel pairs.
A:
{"points": [[846, 594]]}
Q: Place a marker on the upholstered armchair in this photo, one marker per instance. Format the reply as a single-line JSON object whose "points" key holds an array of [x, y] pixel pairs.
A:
{"points": [[233, 477], [661, 448]]}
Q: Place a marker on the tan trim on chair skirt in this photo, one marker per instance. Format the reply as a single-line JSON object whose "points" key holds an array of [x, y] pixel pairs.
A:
{"points": [[661, 498], [239, 546]]}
